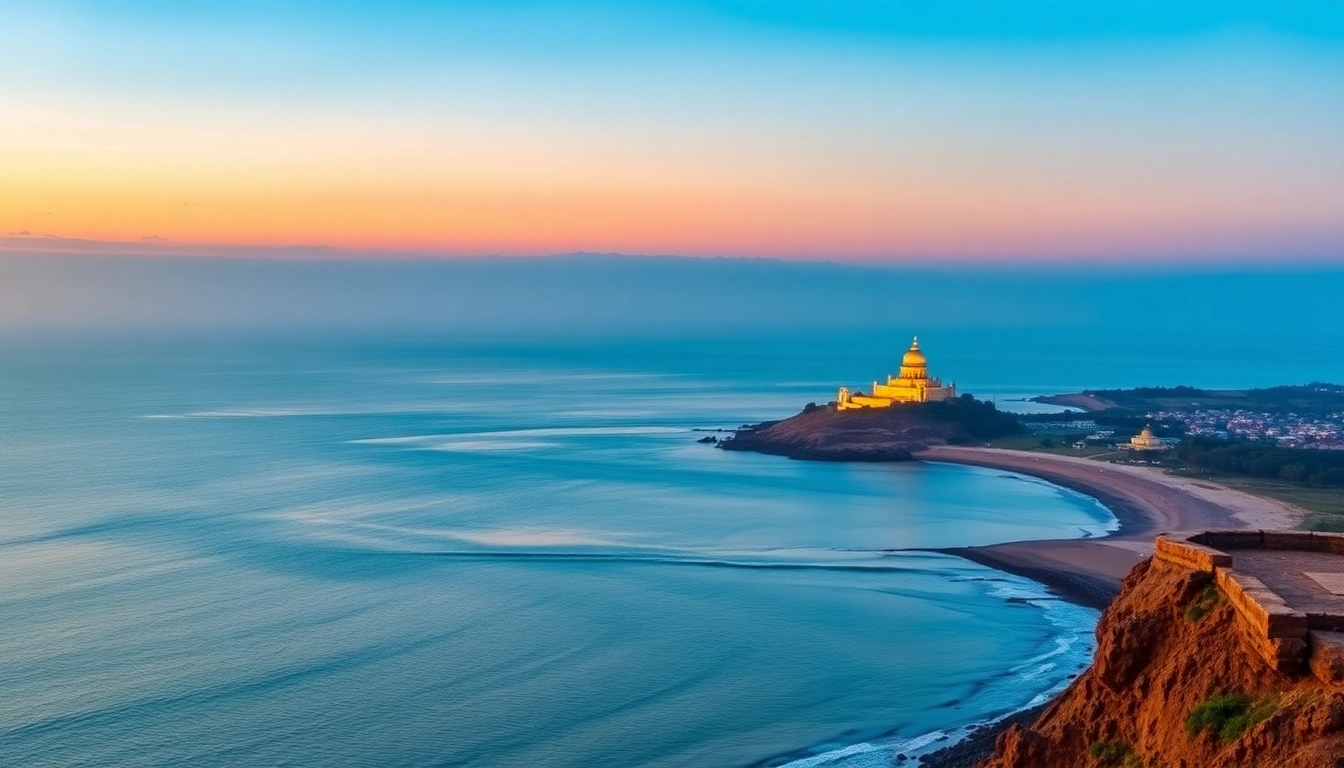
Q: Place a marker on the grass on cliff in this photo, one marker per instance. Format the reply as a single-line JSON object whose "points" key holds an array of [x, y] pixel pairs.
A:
{"points": [[1204, 602], [1228, 716], [1114, 754]]}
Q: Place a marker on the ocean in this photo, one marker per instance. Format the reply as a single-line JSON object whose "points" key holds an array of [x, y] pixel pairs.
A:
{"points": [[240, 549]]}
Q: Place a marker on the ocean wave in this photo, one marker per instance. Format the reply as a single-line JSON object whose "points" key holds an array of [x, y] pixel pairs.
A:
{"points": [[525, 377], [488, 446], [299, 411], [512, 439], [538, 432], [1048, 672]]}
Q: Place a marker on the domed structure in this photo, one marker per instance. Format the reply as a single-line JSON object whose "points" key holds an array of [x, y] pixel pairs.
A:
{"points": [[911, 385], [913, 364], [1146, 441]]}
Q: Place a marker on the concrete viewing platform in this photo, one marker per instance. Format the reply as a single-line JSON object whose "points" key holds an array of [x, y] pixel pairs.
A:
{"points": [[1287, 589]]}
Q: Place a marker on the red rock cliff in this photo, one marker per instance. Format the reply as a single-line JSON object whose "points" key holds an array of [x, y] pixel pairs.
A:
{"points": [[1178, 683]]}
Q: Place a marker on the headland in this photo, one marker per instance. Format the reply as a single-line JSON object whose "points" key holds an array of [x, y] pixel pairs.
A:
{"points": [[1317, 398], [827, 433], [1234, 635]]}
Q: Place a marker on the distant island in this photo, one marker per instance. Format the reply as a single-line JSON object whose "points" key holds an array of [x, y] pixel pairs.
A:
{"points": [[911, 412], [828, 433]]}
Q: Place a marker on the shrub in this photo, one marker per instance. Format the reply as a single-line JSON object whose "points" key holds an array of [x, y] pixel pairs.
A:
{"points": [[1204, 602], [1228, 716], [1215, 713], [1114, 754]]}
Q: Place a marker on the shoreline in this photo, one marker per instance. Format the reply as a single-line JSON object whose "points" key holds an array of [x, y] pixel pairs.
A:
{"points": [[1144, 500], [1085, 402], [1088, 571]]}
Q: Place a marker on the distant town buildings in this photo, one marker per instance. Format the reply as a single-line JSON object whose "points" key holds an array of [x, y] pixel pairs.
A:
{"points": [[911, 385], [1289, 430]]}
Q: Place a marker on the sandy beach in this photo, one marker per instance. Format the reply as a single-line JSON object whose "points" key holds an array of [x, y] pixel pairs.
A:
{"points": [[1146, 501]]}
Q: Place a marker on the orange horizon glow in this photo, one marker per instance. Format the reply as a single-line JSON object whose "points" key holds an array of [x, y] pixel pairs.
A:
{"points": [[699, 223], [1205, 146]]}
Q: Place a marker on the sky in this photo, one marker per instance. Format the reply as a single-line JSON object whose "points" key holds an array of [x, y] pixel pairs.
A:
{"points": [[956, 131]]}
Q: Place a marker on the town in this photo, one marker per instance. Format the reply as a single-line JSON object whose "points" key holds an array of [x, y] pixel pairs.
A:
{"points": [[1288, 430]]}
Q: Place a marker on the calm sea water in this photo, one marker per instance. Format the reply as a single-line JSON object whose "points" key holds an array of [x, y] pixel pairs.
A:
{"points": [[400, 552]]}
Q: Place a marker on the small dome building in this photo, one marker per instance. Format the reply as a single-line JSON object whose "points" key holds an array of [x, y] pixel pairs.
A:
{"points": [[1146, 441]]}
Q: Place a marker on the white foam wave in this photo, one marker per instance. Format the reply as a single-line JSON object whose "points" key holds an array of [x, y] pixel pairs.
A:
{"points": [[508, 439], [1049, 672], [489, 446], [523, 377], [274, 412]]}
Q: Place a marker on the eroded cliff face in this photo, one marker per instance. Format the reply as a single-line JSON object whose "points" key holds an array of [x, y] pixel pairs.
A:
{"points": [[1177, 683]]}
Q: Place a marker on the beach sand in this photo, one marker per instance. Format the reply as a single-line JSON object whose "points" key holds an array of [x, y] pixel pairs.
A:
{"points": [[1145, 500]]}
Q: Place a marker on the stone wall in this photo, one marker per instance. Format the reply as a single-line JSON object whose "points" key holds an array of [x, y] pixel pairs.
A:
{"points": [[1280, 635]]}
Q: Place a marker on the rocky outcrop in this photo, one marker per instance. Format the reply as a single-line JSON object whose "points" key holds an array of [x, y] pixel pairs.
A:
{"points": [[878, 434], [1179, 682]]}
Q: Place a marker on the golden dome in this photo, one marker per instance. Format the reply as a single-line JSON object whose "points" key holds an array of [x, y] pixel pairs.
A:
{"points": [[914, 358]]}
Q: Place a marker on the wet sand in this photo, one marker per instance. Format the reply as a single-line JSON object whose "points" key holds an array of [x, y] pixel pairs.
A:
{"points": [[1145, 500]]}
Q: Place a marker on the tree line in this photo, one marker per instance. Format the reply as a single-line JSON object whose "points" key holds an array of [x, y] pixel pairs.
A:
{"points": [[1313, 467]]}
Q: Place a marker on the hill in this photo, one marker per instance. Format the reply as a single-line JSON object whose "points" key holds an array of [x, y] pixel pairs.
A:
{"points": [[1314, 398], [880, 434]]}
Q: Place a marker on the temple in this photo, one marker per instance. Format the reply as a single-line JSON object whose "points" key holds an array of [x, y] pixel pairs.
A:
{"points": [[911, 385], [1146, 441]]}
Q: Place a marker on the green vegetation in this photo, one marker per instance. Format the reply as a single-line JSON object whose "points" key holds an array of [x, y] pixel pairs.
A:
{"points": [[1314, 398], [1114, 754], [978, 419], [1063, 446], [1295, 465], [1228, 716], [1203, 603]]}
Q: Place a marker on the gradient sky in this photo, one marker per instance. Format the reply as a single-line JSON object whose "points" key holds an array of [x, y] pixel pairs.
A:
{"points": [[948, 129]]}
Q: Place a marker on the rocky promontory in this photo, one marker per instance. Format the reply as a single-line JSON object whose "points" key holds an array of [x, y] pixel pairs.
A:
{"points": [[1196, 669], [823, 433]]}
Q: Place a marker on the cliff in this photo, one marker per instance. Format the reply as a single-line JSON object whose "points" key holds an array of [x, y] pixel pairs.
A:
{"points": [[1194, 670], [878, 434]]}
